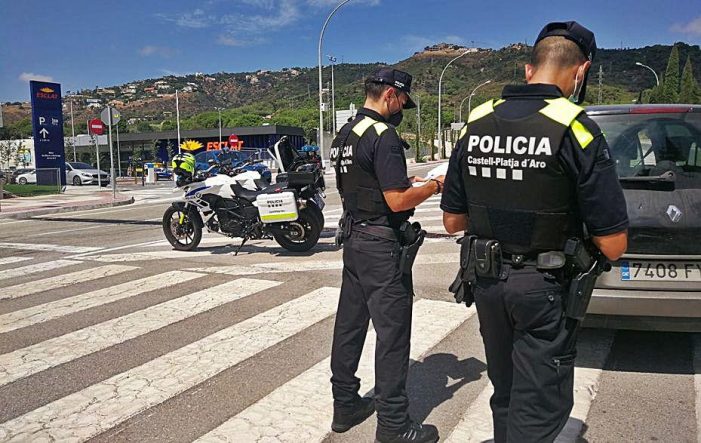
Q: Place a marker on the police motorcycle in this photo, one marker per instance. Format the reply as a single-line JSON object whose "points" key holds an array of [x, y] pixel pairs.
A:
{"points": [[290, 211]]}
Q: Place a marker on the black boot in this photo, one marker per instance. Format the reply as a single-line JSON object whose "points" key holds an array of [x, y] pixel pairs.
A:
{"points": [[344, 419], [415, 433]]}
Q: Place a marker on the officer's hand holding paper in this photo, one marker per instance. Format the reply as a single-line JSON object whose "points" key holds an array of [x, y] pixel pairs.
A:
{"points": [[437, 173]]}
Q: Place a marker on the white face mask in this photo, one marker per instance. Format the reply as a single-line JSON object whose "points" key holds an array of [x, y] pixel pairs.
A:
{"points": [[574, 98]]}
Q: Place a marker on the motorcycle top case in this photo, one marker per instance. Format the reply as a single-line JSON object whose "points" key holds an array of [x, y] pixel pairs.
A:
{"points": [[278, 207]]}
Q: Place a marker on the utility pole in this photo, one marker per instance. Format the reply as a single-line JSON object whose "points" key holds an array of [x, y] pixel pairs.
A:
{"points": [[73, 133], [601, 82], [418, 123], [332, 59], [177, 117]]}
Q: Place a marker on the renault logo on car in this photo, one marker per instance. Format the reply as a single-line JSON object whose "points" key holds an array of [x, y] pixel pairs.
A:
{"points": [[674, 213]]}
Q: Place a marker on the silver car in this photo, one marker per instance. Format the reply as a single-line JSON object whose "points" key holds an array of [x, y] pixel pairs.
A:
{"points": [[657, 283], [79, 174]]}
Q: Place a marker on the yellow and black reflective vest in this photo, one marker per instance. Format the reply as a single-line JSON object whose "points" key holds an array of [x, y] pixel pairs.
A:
{"points": [[359, 189], [517, 190]]}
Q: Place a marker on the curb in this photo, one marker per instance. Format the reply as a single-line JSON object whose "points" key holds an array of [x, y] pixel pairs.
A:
{"points": [[34, 213]]}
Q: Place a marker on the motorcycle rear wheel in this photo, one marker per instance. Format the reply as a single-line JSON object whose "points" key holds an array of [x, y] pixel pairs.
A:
{"points": [[185, 236], [302, 234]]}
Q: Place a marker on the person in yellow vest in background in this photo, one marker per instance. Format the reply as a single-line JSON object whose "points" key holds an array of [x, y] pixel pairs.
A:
{"points": [[530, 173]]}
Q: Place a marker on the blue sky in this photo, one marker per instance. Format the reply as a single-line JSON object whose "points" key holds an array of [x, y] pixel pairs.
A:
{"points": [[92, 43]]}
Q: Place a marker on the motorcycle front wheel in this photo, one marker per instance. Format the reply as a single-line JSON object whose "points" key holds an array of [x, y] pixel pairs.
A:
{"points": [[302, 234], [180, 230]]}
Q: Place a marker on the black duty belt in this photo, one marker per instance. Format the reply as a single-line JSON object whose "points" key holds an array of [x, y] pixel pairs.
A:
{"points": [[383, 232], [544, 260]]}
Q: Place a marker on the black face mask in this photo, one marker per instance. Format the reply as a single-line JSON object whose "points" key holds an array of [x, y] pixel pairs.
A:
{"points": [[396, 118]]}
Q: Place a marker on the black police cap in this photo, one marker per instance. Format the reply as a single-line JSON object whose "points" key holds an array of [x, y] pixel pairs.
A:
{"points": [[397, 79], [573, 31]]}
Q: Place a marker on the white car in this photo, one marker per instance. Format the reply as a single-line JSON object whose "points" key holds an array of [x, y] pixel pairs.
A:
{"points": [[27, 177], [78, 174]]}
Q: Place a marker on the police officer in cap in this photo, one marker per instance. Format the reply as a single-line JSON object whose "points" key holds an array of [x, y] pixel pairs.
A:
{"points": [[378, 199], [531, 171]]}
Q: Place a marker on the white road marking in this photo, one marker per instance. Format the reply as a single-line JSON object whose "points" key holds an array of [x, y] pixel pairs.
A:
{"points": [[314, 265], [476, 425], [71, 305], [61, 281], [69, 230], [33, 269], [51, 248], [9, 260], [117, 248], [301, 410], [53, 352], [93, 410], [697, 382]]}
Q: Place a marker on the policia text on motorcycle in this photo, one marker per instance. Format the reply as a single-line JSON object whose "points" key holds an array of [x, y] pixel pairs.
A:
{"points": [[379, 247], [530, 172]]}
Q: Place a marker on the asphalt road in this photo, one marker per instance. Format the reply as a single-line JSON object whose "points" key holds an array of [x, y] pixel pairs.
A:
{"points": [[108, 334]]}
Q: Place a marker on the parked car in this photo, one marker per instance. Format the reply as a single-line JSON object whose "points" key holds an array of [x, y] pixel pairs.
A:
{"points": [[163, 174], [79, 174], [27, 177], [657, 283], [16, 172]]}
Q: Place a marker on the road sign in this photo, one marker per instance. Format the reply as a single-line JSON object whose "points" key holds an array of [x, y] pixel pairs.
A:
{"points": [[105, 116], [233, 140], [96, 127], [47, 125]]}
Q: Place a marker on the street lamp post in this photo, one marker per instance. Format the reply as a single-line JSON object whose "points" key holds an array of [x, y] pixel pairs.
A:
{"points": [[219, 111], [321, 85], [469, 103], [73, 133], [657, 79], [332, 59], [440, 91], [177, 117]]}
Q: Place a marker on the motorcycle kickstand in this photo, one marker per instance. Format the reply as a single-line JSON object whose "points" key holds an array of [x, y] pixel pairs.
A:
{"points": [[245, 239]]}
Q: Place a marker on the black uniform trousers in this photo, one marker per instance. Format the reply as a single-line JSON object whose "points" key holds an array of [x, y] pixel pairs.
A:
{"points": [[523, 328], [373, 288]]}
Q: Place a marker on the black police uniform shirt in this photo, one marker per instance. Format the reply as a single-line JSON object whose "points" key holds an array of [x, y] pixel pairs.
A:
{"points": [[601, 202], [384, 155]]}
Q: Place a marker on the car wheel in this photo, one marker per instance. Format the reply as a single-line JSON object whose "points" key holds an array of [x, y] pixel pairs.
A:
{"points": [[22, 181], [77, 181]]}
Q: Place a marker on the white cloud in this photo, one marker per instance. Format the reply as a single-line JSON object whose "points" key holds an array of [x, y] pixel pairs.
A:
{"points": [[237, 42], [330, 3], [27, 76], [196, 19], [162, 51], [692, 28]]}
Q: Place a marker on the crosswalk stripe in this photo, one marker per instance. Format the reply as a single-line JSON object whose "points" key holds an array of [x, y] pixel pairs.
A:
{"points": [[93, 410], [35, 268], [697, 382], [477, 426], [10, 260], [65, 306], [49, 248], [316, 265], [61, 281], [301, 409], [47, 354]]}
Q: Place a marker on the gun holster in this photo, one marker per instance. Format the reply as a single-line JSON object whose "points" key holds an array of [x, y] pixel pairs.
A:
{"points": [[343, 229], [411, 237], [580, 291], [463, 285]]}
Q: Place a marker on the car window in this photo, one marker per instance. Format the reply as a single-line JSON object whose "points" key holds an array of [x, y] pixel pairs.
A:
{"points": [[79, 165], [652, 144]]}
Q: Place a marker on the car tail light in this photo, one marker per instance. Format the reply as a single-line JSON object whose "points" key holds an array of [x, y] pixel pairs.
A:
{"points": [[660, 109]]}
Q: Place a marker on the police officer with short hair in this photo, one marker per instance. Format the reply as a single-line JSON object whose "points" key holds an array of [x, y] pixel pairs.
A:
{"points": [[531, 171], [378, 199]]}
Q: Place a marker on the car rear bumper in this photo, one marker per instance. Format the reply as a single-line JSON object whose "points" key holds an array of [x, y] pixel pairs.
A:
{"points": [[93, 181], [646, 303]]}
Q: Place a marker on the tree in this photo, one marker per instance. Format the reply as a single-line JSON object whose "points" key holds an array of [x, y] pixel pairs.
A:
{"points": [[8, 152], [689, 88], [168, 125], [143, 126], [670, 85]]}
